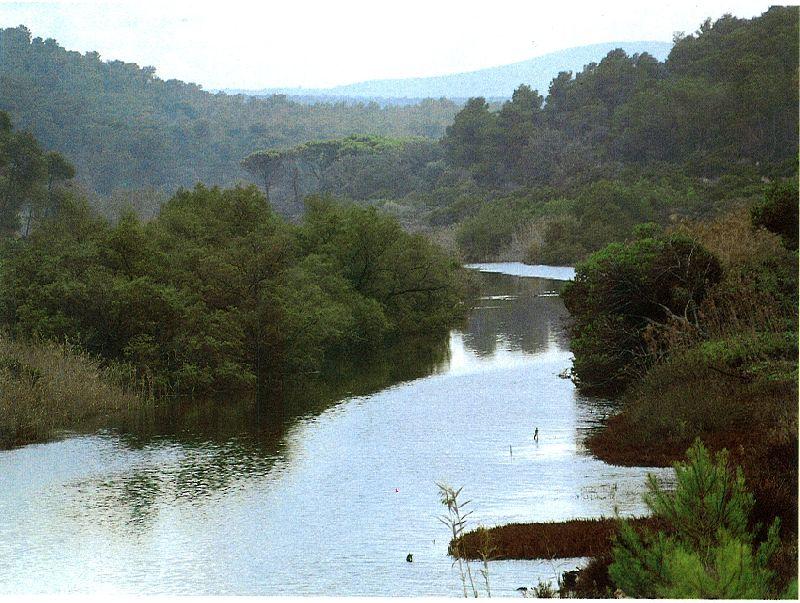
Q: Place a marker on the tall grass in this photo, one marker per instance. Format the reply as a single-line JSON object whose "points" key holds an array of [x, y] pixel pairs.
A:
{"points": [[456, 521], [750, 300], [47, 388], [732, 238]]}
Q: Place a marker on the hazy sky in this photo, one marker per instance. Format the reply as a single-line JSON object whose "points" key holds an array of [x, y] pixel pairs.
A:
{"points": [[309, 43]]}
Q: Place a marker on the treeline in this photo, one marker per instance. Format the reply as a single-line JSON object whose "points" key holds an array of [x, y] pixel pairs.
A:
{"points": [[357, 167], [631, 140], [217, 292], [124, 128], [31, 179], [725, 96], [544, 178], [551, 179]]}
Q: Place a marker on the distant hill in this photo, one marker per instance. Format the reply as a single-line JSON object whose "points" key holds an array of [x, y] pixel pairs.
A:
{"points": [[491, 83]]}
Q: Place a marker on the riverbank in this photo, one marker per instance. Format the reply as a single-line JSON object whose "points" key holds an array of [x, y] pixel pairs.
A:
{"points": [[768, 463], [49, 388], [724, 372], [756, 421], [199, 477]]}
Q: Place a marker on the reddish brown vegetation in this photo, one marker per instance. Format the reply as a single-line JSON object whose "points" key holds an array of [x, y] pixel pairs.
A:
{"points": [[770, 468], [607, 445], [593, 580], [574, 538]]}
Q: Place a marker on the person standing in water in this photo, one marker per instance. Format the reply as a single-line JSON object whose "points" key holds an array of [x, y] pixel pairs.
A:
{"points": [[536, 435]]}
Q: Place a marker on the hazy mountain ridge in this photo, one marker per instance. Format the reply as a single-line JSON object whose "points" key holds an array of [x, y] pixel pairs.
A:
{"points": [[491, 82]]}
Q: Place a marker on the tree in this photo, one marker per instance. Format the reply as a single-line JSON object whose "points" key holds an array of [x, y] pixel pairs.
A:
{"points": [[470, 140], [23, 176], [318, 156], [265, 166], [622, 290], [517, 123], [708, 550], [59, 170], [778, 213]]}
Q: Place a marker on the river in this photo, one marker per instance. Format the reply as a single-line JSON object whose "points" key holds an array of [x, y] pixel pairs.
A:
{"points": [[330, 499]]}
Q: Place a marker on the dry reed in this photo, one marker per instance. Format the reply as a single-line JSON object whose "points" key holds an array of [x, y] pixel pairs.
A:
{"points": [[47, 388]]}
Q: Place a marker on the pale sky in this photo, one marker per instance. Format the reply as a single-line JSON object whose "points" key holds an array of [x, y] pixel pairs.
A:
{"points": [[239, 44]]}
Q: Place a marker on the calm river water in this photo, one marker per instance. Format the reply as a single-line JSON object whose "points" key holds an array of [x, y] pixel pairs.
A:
{"points": [[327, 499]]}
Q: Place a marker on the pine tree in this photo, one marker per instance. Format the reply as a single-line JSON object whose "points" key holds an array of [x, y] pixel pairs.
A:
{"points": [[708, 551]]}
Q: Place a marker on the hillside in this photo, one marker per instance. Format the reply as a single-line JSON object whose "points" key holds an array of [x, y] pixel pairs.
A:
{"points": [[125, 128], [493, 82]]}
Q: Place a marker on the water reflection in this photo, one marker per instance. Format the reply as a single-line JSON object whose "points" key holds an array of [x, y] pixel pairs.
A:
{"points": [[187, 451], [327, 489], [519, 314]]}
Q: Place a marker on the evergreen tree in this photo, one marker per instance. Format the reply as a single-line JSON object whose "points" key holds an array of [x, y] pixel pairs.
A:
{"points": [[708, 550]]}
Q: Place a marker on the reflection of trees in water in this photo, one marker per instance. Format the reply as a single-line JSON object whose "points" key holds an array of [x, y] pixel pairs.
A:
{"points": [[591, 413], [527, 321], [170, 473], [190, 450]]}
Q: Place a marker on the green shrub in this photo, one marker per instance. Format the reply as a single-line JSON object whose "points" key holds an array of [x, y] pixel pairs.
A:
{"points": [[709, 550], [218, 294], [622, 290], [752, 356], [778, 213]]}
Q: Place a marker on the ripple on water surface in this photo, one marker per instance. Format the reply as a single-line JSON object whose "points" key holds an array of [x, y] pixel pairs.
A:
{"points": [[333, 503]]}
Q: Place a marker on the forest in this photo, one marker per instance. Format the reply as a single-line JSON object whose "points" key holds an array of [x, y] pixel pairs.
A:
{"points": [[218, 293], [627, 141], [125, 129], [553, 178], [674, 187], [546, 177]]}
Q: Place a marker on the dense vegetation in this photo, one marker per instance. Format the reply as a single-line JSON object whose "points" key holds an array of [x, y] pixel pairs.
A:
{"points": [[552, 178], [631, 140], [686, 306], [697, 329], [357, 167], [218, 293], [124, 128], [624, 292], [545, 177], [30, 179], [708, 549], [724, 95], [694, 329], [675, 184]]}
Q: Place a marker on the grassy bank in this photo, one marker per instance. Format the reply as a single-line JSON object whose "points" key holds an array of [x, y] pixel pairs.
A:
{"points": [[48, 388], [756, 420], [708, 537], [731, 379]]}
